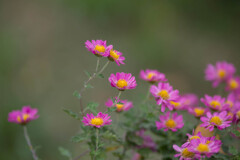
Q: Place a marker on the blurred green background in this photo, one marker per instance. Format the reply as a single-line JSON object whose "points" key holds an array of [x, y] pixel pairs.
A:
{"points": [[42, 57]]}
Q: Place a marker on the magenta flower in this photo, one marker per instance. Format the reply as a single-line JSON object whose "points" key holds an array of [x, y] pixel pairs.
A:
{"points": [[97, 121], [184, 153], [23, 116], [178, 104], [152, 76], [230, 101], [116, 56], [219, 120], [164, 94], [122, 105], [170, 122], [236, 110], [233, 84], [198, 111], [99, 47], [190, 100], [216, 102], [204, 146], [122, 81], [219, 73], [191, 137], [147, 140]]}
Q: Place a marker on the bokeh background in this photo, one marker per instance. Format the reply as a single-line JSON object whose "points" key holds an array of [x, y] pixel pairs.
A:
{"points": [[42, 57]]}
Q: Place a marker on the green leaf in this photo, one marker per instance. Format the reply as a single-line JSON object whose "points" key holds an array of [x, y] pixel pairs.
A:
{"points": [[79, 138], [111, 109], [111, 136], [76, 94], [71, 113], [65, 152], [233, 150], [236, 132], [88, 86], [92, 106], [101, 76], [87, 73]]}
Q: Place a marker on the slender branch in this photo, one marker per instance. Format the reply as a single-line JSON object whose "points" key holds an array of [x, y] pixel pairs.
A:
{"points": [[29, 143], [81, 155], [118, 97], [97, 141], [104, 67]]}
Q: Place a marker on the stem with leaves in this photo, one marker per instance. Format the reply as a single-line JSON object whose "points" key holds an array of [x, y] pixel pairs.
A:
{"points": [[29, 143], [97, 141]]}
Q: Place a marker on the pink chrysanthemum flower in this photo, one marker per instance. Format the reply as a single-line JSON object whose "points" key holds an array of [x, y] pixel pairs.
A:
{"points": [[122, 81], [23, 116], [229, 103], [178, 103], [116, 56], [184, 153], [170, 122], [99, 47], [198, 111], [121, 105], [152, 76], [236, 110], [219, 120], [189, 100], [164, 94], [216, 102], [147, 140], [233, 84], [204, 147], [97, 121], [191, 137], [219, 73]]}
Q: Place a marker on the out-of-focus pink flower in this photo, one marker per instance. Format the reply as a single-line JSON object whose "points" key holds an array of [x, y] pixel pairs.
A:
{"points": [[219, 73], [136, 156], [122, 105], [236, 110], [216, 102], [99, 47], [169, 121], [23, 116], [198, 111], [164, 94], [147, 140], [122, 81], [191, 137], [233, 84], [219, 120], [97, 121], [229, 103], [190, 100], [116, 56], [152, 76], [184, 153], [204, 146]]}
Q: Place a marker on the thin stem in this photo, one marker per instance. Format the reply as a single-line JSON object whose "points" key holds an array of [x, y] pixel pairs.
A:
{"points": [[118, 96], [97, 141], [98, 60], [104, 67], [81, 155], [29, 143], [147, 96]]}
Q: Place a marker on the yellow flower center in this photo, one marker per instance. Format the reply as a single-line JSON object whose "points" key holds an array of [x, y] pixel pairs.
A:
{"points": [[203, 148], [150, 75], [122, 83], [216, 120], [208, 142], [164, 94], [233, 84], [221, 73], [97, 121], [194, 137], [215, 104], [175, 104], [119, 107], [25, 117], [114, 54], [187, 154], [230, 103], [170, 123], [231, 115], [100, 48], [238, 114], [19, 119], [199, 111]]}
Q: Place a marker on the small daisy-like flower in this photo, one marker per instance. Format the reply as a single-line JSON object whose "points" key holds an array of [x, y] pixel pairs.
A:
{"points": [[191, 137], [116, 56], [198, 111], [229, 103], [23, 116], [164, 94], [122, 81], [204, 147], [189, 100], [184, 153], [216, 102], [178, 103], [219, 73], [219, 120], [97, 121], [233, 84], [99, 47], [121, 105], [169, 121], [152, 76]]}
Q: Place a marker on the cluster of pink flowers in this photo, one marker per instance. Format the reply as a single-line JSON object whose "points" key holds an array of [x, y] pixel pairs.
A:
{"points": [[197, 147], [101, 49]]}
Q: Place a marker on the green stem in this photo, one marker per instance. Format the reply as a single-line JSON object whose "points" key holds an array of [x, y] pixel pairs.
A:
{"points": [[118, 96], [97, 141], [104, 67], [29, 143]]}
